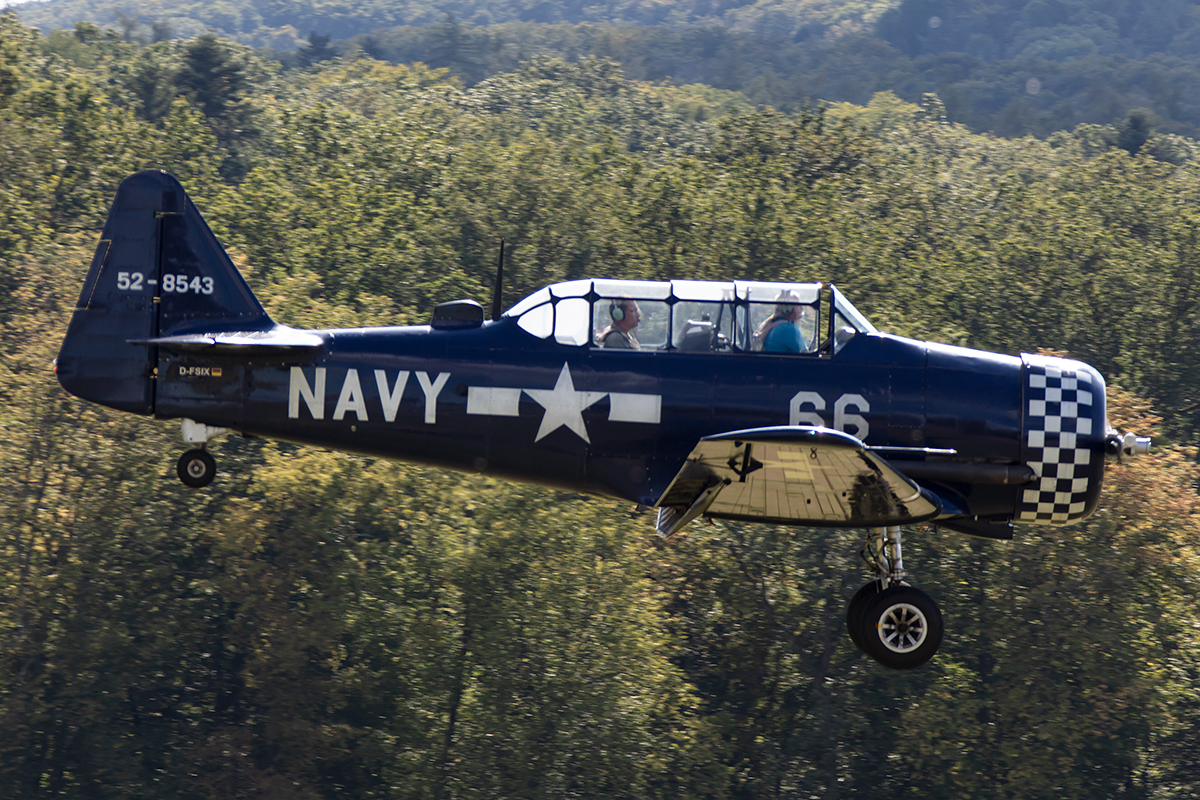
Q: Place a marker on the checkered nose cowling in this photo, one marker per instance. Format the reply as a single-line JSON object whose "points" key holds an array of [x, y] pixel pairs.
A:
{"points": [[1063, 432]]}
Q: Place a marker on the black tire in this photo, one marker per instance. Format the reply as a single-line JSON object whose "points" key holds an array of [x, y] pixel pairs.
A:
{"points": [[857, 607], [901, 628], [196, 468]]}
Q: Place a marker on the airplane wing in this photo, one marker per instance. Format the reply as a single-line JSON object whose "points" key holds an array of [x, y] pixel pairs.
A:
{"points": [[792, 475]]}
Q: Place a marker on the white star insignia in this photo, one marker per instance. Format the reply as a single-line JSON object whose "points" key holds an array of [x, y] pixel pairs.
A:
{"points": [[564, 406]]}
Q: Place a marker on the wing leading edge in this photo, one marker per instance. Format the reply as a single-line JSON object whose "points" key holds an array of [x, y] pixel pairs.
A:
{"points": [[791, 475]]}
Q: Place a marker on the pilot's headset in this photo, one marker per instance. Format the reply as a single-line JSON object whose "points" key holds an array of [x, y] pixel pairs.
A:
{"points": [[616, 310]]}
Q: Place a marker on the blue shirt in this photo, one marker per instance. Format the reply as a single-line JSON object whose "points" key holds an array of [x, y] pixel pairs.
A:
{"points": [[784, 338]]}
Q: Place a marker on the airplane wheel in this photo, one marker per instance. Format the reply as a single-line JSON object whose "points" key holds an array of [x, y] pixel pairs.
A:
{"points": [[901, 628], [196, 468], [857, 607]]}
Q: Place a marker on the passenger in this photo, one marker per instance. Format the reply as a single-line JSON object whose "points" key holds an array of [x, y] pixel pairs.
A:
{"points": [[779, 333], [625, 316]]}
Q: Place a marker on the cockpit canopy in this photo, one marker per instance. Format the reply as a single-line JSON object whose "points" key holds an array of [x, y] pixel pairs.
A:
{"points": [[729, 316]]}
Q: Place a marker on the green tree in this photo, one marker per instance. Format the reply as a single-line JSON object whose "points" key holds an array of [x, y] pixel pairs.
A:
{"points": [[216, 80], [318, 49]]}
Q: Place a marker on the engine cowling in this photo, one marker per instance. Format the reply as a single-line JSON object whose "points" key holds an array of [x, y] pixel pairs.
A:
{"points": [[1064, 432]]}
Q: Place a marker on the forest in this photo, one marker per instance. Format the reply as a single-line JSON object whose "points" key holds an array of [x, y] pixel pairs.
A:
{"points": [[1009, 67], [321, 625]]}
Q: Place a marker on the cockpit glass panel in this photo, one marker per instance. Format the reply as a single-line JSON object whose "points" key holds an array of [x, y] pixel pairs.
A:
{"points": [[540, 296], [762, 292], [712, 291], [777, 327], [538, 321], [700, 326], [572, 288], [849, 314], [649, 290], [631, 323], [843, 331], [571, 320]]}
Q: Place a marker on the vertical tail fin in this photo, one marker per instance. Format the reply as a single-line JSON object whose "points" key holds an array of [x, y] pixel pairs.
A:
{"points": [[157, 271]]}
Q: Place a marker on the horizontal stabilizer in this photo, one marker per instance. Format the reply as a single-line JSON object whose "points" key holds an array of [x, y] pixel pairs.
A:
{"points": [[279, 341], [793, 475]]}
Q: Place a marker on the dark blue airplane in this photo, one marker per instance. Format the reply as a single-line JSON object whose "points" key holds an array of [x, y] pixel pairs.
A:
{"points": [[740, 400]]}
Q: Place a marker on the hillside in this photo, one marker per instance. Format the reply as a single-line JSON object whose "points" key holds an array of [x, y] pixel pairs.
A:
{"points": [[1012, 68], [276, 23]]}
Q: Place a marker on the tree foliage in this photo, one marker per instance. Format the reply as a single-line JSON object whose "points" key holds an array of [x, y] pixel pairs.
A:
{"points": [[1013, 67], [321, 625]]}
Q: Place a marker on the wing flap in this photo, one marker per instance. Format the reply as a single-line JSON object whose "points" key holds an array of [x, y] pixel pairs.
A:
{"points": [[792, 475]]}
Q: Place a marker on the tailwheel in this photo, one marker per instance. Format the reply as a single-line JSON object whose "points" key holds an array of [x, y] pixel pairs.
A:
{"points": [[901, 627], [196, 468]]}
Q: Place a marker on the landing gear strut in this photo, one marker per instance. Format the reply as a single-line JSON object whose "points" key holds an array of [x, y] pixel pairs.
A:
{"points": [[196, 468], [897, 625]]}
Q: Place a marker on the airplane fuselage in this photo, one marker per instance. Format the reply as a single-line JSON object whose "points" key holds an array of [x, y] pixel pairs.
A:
{"points": [[617, 423]]}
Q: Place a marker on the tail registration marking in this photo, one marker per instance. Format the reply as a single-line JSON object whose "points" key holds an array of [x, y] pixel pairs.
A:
{"points": [[129, 281], [177, 284], [181, 284]]}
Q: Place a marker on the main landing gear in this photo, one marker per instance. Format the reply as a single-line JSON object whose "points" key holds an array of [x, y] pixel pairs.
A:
{"points": [[196, 468], [894, 623]]}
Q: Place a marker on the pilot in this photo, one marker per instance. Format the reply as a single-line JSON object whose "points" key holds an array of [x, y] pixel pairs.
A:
{"points": [[625, 316], [779, 333]]}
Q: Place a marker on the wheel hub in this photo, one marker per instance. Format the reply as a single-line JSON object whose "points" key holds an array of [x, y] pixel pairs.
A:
{"points": [[902, 628]]}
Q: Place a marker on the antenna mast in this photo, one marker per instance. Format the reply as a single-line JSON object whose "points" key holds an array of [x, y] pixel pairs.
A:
{"points": [[499, 283]]}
